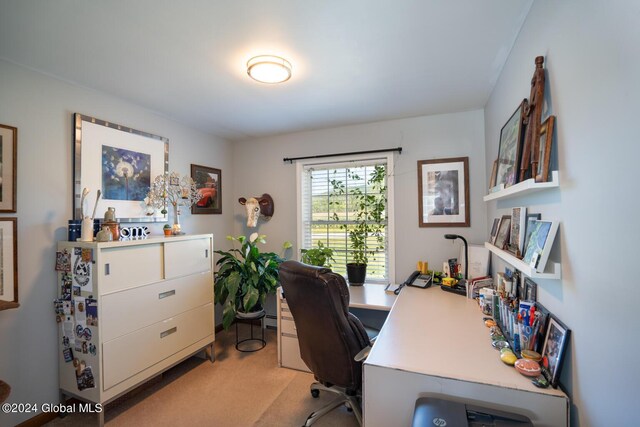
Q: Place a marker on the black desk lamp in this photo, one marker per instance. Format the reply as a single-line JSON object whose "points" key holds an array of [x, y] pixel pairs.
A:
{"points": [[466, 252]]}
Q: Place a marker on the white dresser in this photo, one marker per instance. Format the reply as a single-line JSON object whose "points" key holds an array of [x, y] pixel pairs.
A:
{"points": [[151, 307]]}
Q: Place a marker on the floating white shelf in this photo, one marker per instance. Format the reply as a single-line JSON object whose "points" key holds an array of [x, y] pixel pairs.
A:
{"points": [[525, 187], [553, 270]]}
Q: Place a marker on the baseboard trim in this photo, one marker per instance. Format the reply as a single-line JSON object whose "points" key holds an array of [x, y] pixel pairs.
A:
{"points": [[45, 417]]}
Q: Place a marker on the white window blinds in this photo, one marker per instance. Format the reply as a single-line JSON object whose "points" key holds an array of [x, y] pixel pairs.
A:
{"points": [[328, 210]]}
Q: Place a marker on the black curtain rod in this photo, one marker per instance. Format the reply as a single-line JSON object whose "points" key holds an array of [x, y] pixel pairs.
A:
{"points": [[320, 156]]}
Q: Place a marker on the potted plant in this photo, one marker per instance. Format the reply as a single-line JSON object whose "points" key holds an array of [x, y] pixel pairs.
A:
{"points": [[167, 230], [367, 232], [245, 277], [319, 256]]}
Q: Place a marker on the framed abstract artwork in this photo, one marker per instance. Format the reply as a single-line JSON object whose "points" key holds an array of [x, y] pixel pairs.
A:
{"points": [[8, 263], [540, 242], [510, 149], [120, 162], [8, 164], [443, 192], [209, 184]]}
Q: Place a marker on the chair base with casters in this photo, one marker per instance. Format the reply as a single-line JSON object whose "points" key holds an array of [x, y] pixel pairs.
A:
{"points": [[345, 397]]}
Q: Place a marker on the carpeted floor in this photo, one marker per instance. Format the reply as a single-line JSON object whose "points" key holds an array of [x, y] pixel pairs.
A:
{"points": [[239, 389]]}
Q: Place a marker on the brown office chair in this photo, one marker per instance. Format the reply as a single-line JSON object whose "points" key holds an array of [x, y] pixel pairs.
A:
{"points": [[330, 337]]}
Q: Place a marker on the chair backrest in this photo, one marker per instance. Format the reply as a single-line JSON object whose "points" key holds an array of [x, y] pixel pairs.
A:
{"points": [[329, 336]]}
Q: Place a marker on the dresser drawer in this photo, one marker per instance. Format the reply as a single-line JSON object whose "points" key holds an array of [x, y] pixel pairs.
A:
{"points": [[186, 257], [129, 266], [291, 354], [126, 356], [288, 326], [130, 310]]}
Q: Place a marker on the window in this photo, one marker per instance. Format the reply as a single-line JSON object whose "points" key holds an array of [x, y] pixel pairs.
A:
{"points": [[328, 194]]}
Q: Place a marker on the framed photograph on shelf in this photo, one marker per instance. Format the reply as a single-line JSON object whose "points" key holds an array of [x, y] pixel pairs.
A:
{"points": [[122, 163], [8, 164], [530, 290], [529, 228], [540, 242], [509, 152], [443, 192], [8, 262], [516, 235], [494, 174], [209, 184], [555, 344], [544, 149], [502, 238], [494, 230]]}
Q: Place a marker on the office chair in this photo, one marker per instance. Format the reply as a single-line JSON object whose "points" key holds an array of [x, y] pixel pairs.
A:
{"points": [[332, 341]]}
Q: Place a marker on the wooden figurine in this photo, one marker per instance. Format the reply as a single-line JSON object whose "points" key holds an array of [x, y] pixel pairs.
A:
{"points": [[533, 114]]}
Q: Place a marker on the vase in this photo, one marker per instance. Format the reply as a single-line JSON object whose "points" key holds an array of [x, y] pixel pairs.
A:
{"points": [[87, 230], [175, 229]]}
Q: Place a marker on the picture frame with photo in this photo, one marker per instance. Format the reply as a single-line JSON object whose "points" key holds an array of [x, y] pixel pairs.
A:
{"points": [[529, 228], [509, 151], [9, 263], [494, 174], [554, 349], [516, 235], [121, 162], [530, 290], [443, 192], [502, 238], [494, 230], [8, 166], [540, 242], [543, 156], [209, 184]]}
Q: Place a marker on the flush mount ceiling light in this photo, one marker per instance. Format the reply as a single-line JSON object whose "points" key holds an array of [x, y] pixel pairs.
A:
{"points": [[269, 69]]}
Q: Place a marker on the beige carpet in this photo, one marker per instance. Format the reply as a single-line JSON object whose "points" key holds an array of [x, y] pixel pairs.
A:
{"points": [[239, 389]]}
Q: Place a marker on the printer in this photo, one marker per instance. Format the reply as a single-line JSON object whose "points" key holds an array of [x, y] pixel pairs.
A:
{"points": [[438, 412]]}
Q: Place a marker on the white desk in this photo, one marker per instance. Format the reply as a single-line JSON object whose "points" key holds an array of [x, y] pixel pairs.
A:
{"points": [[435, 342], [368, 297]]}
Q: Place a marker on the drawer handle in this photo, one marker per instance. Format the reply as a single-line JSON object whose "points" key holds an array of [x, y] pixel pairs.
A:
{"points": [[206, 253], [106, 269], [168, 332], [166, 294]]}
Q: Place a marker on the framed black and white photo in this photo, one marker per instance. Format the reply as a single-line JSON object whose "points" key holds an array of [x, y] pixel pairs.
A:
{"points": [[555, 344], [8, 164], [8, 263], [494, 230], [516, 235], [502, 238], [122, 163], [443, 192], [530, 290]]}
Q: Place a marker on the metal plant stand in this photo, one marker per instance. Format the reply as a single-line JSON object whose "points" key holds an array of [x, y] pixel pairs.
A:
{"points": [[253, 343]]}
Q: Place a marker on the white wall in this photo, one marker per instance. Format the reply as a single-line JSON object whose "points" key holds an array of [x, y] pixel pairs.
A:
{"points": [[41, 108], [259, 169], [592, 61]]}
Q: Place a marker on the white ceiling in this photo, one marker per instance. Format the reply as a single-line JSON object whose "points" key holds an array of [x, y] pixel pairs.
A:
{"points": [[354, 61]]}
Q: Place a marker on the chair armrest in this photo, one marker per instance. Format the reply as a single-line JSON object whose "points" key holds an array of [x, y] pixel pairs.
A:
{"points": [[362, 354]]}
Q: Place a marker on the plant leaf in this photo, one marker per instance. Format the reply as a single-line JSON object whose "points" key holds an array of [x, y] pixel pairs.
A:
{"points": [[250, 298]]}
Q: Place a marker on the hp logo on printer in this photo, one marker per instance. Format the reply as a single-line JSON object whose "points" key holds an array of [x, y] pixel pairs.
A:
{"points": [[439, 422]]}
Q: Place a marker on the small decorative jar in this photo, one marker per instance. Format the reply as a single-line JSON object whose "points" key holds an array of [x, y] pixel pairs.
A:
{"points": [[110, 215], [74, 229], [114, 227], [104, 235]]}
